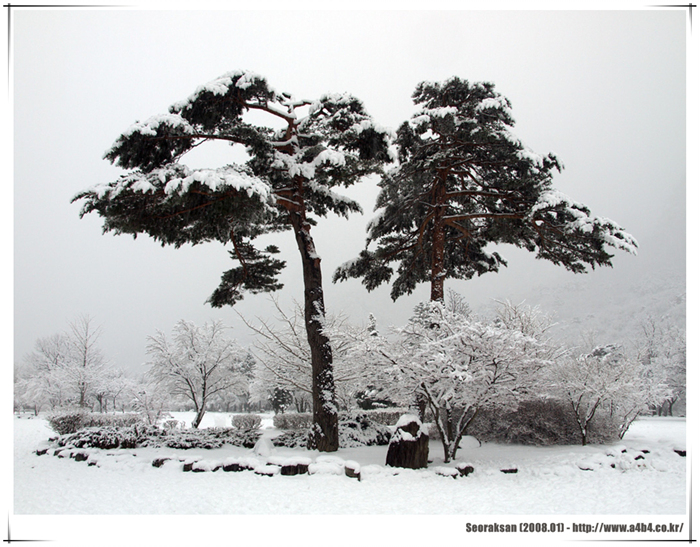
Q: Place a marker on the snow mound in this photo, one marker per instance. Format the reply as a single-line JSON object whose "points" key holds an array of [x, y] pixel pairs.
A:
{"points": [[263, 447], [326, 468]]}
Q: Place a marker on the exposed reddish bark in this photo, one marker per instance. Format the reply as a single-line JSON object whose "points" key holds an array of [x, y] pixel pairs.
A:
{"points": [[437, 274]]}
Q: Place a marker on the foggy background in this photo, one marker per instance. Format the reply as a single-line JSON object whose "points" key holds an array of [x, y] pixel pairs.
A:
{"points": [[603, 90]]}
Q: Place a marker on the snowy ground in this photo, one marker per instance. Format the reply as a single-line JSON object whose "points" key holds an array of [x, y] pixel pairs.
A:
{"points": [[551, 486]]}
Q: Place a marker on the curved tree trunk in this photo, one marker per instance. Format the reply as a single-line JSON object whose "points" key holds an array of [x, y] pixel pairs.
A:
{"points": [[324, 435], [198, 417]]}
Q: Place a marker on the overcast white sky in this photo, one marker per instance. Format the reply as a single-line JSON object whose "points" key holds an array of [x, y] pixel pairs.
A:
{"points": [[604, 90]]}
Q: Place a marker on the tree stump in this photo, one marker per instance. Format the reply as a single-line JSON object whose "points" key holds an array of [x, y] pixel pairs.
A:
{"points": [[408, 446], [352, 470]]}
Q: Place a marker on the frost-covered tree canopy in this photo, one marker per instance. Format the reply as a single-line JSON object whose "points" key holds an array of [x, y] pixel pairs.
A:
{"points": [[67, 368], [197, 363], [606, 380], [464, 181], [458, 364]]}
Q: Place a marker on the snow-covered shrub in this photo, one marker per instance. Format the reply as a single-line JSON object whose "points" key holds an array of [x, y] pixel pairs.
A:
{"points": [[140, 435], [109, 437], [360, 429], [105, 438], [354, 429], [213, 437], [192, 440], [539, 423], [293, 420], [67, 421], [292, 439], [71, 421], [245, 421]]}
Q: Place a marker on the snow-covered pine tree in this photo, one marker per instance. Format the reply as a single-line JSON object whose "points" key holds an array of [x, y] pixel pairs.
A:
{"points": [[289, 177], [463, 180]]}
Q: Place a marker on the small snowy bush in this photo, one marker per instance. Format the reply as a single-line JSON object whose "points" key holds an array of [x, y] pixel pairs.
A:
{"points": [[292, 439], [213, 437], [385, 416], [246, 421], [360, 429]]}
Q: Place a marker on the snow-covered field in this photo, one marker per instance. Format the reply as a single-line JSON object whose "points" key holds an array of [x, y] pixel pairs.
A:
{"points": [[550, 486]]}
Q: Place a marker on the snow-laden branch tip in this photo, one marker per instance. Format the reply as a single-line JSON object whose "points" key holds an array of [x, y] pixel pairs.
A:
{"points": [[611, 232], [177, 179], [220, 86], [499, 102], [149, 128]]}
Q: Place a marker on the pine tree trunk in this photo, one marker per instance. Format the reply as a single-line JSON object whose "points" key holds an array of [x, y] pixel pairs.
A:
{"points": [[437, 274], [324, 436]]}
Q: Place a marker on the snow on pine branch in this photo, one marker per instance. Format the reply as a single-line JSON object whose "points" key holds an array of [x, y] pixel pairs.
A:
{"points": [[151, 125], [364, 125], [531, 156], [611, 233], [149, 128], [218, 179], [336, 198], [376, 220], [220, 86], [178, 178], [553, 198], [498, 102], [307, 169]]}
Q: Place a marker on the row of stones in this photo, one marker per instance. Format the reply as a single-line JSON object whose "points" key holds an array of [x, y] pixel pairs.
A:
{"points": [[351, 469]]}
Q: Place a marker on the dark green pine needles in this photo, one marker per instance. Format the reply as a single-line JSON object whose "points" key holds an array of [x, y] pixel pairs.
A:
{"points": [[464, 181], [290, 178]]}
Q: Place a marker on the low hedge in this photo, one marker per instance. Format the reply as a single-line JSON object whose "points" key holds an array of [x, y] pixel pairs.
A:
{"points": [[385, 416], [71, 421], [109, 437], [140, 435], [293, 420]]}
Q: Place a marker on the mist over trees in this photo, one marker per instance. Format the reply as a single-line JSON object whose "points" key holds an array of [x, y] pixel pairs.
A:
{"points": [[69, 369]]}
